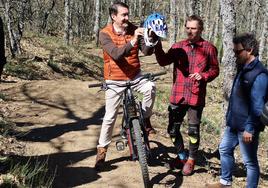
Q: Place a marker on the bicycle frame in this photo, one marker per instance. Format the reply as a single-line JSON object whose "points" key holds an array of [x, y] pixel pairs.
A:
{"points": [[137, 138], [133, 125], [132, 110]]}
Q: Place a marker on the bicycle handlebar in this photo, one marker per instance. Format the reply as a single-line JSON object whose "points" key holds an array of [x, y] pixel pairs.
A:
{"points": [[149, 76], [159, 73], [95, 85]]}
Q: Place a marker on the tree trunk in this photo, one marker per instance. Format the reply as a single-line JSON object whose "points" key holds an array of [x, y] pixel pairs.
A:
{"points": [[215, 35], [109, 18], [264, 35], [208, 26], [173, 22], [97, 22], [67, 21], [135, 8], [21, 21], [78, 13], [10, 32], [140, 8], [184, 9], [44, 17], [254, 15], [199, 7], [192, 7], [228, 59], [14, 37], [248, 10], [2, 47], [131, 8], [71, 35], [266, 56]]}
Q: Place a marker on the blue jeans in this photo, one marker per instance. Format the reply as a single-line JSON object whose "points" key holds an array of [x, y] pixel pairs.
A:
{"points": [[230, 140]]}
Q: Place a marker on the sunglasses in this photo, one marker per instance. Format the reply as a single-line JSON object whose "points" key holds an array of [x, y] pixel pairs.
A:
{"points": [[237, 52]]}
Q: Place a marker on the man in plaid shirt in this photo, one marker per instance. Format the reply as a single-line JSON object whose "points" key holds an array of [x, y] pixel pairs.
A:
{"points": [[195, 63]]}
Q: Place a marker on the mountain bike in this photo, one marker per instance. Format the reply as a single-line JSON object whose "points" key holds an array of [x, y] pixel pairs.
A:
{"points": [[133, 132]]}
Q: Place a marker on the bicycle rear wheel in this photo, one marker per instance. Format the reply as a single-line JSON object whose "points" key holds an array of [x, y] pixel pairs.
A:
{"points": [[141, 152]]}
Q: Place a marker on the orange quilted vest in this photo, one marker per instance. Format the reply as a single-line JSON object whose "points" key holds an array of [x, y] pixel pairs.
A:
{"points": [[127, 67]]}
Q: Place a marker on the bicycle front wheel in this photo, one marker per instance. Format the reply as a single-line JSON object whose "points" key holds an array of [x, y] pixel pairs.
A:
{"points": [[141, 152]]}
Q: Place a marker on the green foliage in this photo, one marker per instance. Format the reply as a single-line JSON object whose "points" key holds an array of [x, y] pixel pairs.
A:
{"points": [[20, 173], [46, 55], [162, 99], [27, 70], [54, 66], [2, 96], [31, 173], [6, 127], [209, 127], [264, 138]]}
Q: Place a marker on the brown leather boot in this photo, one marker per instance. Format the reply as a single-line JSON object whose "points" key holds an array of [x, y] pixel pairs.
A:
{"points": [[188, 167], [100, 158], [148, 126]]}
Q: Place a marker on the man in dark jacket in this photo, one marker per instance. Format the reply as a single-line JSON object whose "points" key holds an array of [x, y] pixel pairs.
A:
{"points": [[2, 48], [243, 115]]}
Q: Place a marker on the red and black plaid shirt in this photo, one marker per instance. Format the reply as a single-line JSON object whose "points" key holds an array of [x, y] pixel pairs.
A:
{"points": [[200, 57]]}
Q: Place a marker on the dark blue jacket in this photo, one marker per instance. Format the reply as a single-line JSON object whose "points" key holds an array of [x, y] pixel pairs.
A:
{"points": [[248, 97]]}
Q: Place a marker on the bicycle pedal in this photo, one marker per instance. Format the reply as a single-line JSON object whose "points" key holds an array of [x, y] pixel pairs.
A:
{"points": [[123, 134], [120, 145]]}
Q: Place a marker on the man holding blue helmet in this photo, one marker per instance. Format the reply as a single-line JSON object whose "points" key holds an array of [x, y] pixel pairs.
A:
{"points": [[121, 42]]}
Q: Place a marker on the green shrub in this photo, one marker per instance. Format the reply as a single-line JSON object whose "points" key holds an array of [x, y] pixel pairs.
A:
{"points": [[31, 173], [54, 66], [162, 100], [26, 70], [2, 96], [5, 127]]}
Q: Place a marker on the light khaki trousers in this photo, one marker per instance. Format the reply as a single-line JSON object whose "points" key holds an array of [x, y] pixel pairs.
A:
{"points": [[114, 96]]}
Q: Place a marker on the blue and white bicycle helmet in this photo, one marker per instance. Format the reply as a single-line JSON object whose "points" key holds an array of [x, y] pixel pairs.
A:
{"points": [[157, 23]]}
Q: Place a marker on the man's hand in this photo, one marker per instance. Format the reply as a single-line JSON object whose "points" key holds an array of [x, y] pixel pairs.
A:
{"points": [[138, 32], [152, 36], [247, 137], [196, 76]]}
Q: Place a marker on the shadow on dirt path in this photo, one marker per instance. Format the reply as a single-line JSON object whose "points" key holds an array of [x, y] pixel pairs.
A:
{"points": [[63, 120], [45, 134]]}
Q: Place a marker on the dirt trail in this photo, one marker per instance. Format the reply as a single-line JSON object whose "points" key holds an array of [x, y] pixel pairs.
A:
{"points": [[64, 119]]}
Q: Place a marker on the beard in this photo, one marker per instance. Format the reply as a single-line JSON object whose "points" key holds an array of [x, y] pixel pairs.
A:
{"points": [[191, 37], [125, 24], [240, 60]]}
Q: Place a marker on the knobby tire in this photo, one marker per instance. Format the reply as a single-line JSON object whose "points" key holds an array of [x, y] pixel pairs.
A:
{"points": [[141, 152]]}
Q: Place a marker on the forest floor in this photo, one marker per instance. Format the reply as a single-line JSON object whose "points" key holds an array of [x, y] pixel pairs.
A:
{"points": [[63, 119]]}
